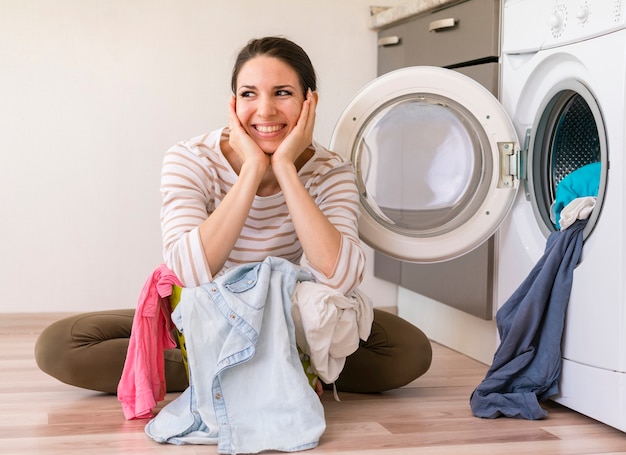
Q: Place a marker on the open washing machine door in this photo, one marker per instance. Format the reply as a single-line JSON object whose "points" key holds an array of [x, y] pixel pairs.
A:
{"points": [[436, 160]]}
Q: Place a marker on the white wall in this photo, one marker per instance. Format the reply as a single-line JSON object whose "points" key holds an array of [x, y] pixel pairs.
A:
{"points": [[92, 93]]}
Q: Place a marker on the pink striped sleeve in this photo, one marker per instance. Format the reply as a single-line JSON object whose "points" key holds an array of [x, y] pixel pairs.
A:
{"points": [[186, 184]]}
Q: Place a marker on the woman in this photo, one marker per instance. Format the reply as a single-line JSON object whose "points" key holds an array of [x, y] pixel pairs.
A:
{"points": [[259, 188]]}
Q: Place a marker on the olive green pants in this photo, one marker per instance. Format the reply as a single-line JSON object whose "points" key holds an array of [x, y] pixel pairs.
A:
{"points": [[88, 350]]}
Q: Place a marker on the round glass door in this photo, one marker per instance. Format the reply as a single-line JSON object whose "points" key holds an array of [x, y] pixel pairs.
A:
{"points": [[420, 165], [429, 163]]}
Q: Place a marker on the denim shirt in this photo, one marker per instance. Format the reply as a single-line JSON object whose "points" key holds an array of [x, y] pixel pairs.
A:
{"points": [[248, 392]]}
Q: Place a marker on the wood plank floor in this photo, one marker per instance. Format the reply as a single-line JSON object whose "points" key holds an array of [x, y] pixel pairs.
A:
{"points": [[40, 416]]}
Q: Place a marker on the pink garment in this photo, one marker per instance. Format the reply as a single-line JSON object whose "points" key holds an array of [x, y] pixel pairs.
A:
{"points": [[142, 383]]}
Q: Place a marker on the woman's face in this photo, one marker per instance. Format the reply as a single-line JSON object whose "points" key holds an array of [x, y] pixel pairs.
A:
{"points": [[269, 100]]}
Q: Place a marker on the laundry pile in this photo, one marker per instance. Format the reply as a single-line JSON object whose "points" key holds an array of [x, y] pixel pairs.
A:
{"points": [[247, 389], [527, 364], [244, 333]]}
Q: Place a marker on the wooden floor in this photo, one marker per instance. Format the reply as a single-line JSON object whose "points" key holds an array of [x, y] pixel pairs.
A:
{"points": [[40, 416]]}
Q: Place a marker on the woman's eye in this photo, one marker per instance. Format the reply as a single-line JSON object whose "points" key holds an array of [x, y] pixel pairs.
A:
{"points": [[283, 93], [246, 94]]}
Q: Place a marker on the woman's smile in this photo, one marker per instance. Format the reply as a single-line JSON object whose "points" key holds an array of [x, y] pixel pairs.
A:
{"points": [[268, 129]]}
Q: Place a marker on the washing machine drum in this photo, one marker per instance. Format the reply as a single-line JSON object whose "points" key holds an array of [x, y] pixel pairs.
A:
{"points": [[436, 161]]}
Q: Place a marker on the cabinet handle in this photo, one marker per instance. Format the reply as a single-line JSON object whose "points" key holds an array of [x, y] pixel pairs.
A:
{"points": [[442, 24], [389, 41]]}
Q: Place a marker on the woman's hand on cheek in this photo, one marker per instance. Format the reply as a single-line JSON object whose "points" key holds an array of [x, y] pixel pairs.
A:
{"points": [[302, 135], [240, 140]]}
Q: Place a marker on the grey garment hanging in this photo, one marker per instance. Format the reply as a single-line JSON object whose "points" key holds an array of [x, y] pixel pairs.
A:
{"points": [[527, 364]]}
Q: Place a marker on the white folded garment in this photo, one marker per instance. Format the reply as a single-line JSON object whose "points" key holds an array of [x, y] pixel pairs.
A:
{"points": [[328, 325], [579, 209]]}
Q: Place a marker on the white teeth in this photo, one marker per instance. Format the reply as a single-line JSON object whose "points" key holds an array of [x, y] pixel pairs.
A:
{"points": [[268, 129]]}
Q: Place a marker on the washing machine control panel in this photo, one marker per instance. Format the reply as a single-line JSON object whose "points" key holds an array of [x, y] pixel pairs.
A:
{"points": [[531, 25]]}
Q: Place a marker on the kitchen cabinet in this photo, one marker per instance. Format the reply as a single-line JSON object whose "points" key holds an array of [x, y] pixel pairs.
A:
{"points": [[464, 37]]}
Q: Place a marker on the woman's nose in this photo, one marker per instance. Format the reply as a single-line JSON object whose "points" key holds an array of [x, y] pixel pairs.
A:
{"points": [[266, 106]]}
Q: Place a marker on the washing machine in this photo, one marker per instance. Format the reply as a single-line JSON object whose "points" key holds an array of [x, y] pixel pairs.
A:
{"points": [[442, 166], [563, 84]]}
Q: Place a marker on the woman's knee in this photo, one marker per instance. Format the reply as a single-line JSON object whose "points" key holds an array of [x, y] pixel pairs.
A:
{"points": [[408, 349], [86, 350], [395, 354]]}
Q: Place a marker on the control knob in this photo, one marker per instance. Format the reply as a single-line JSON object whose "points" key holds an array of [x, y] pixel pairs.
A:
{"points": [[583, 13], [556, 21]]}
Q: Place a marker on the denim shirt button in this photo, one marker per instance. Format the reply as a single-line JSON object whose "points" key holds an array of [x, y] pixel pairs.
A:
{"points": [[213, 289], [218, 396], [232, 316]]}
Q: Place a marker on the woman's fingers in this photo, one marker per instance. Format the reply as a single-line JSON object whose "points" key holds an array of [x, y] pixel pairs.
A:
{"points": [[239, 138], [311, 112]]}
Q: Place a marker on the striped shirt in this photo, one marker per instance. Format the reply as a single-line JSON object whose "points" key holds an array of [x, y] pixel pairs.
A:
{"points": [[195, 178]]}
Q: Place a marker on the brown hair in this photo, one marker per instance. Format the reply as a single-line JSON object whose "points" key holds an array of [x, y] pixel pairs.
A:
{"points": [[283, 49]]}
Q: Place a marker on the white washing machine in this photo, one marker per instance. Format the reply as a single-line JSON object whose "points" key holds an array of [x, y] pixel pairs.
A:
{"points": [[564, 86], [439, 165]]}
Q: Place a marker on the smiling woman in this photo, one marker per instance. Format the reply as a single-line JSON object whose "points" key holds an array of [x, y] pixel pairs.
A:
{"points": [[260, 188]]}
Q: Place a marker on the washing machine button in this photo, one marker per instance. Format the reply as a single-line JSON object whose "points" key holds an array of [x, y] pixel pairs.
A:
{"points": [[556, 21], [582, 14]]}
